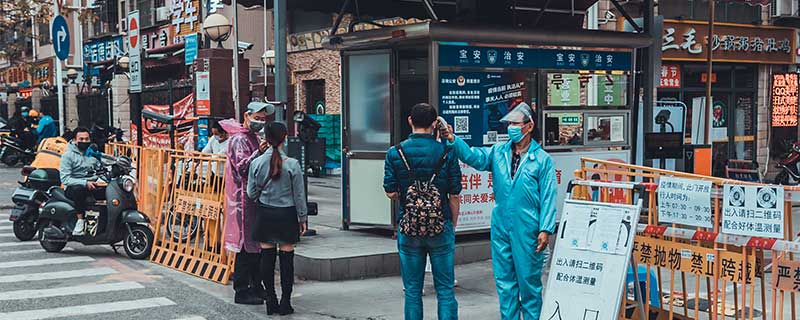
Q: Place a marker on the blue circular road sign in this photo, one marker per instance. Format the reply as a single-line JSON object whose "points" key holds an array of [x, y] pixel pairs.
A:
{"points": [[60, 35]]}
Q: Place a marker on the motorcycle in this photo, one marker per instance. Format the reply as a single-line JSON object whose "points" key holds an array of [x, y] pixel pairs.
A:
{"points": [[14, 151], [789, 175], [111, 221], [27, 198]]}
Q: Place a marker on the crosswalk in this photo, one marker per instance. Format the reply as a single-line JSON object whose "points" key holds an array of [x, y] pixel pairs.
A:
{"points": [[90, 283]]}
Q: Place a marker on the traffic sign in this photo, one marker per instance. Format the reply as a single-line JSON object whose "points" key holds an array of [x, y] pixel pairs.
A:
{"points": [[59, 32], [134, 52]]}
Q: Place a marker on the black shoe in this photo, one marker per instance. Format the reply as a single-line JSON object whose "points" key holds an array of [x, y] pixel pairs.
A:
{"points": [[246, 297], [286, 306], [272, 306]]}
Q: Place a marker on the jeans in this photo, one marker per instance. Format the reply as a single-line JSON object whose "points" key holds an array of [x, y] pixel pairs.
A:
{"points": [[413, 254], [83, 197]]}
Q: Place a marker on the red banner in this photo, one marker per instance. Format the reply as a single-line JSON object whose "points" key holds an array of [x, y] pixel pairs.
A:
{"points": [[156, 134], [670, 76]]}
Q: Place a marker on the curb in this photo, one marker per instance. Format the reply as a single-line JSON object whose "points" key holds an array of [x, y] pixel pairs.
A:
{"points": [[6, 206]]}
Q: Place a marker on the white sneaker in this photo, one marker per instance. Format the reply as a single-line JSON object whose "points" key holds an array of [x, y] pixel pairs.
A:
{"points": [[79, 226]]}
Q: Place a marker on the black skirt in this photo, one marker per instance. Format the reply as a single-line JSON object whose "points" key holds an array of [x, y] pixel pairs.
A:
{"points": [[276, 225]]}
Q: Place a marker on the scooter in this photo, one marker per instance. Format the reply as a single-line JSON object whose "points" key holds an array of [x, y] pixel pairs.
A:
{"points": [[789, 175], [27, 198], [114, 220], [14, 151]]}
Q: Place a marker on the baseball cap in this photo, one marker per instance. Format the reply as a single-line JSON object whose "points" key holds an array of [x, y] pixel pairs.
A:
{"points": [[257, 106]]}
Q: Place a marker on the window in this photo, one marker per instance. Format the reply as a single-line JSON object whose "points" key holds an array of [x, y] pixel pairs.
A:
{"points": [[698, 10], [302, 21], [44, 34], [315, 96]]}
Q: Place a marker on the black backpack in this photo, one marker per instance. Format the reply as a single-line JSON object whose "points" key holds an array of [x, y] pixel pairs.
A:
{"points": [[423, 214]]}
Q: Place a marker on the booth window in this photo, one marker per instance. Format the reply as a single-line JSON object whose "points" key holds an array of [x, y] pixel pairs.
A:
{"points": [[586, 90], [563, 129], [369, 101], [605, 129]]}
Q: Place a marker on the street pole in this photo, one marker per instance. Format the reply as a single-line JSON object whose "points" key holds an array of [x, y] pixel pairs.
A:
{"points": [[235, 81], [59, 82], [279, 19], [709, 71]]}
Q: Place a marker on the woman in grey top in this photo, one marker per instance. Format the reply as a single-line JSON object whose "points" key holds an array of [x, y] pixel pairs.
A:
{"points": [[276, 182]]}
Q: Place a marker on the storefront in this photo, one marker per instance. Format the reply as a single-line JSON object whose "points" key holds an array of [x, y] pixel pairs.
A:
{"points": [[578, 84], [744, 56]]}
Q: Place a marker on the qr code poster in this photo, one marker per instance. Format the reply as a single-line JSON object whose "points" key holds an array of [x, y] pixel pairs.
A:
{"points": [[461, 124], [753, 211]]}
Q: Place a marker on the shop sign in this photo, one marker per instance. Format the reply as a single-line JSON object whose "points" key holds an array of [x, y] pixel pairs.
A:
{"points": [[704, 77], [510, 57], [670, 76], [697, 260], [215, 5], [102, 50], [14, 75], [685, 201], [787, 275], [185, 20], [755, 211], [572, 89], [43, 71], [156, 37], [311, 40], [686, 41], [784, 99]]}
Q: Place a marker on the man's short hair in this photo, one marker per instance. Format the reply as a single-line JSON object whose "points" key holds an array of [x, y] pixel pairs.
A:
{"points": [[423, 115], [79, 130]]}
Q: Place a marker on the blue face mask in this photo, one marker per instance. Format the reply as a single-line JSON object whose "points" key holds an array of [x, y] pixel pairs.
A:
{"points": [[515, 133], [24, 114]]}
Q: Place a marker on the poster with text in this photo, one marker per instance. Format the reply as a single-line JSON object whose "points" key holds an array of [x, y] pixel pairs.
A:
{"points": [[590, 260], [477, 200], [753, 211], [474, 102], [685, 201]]}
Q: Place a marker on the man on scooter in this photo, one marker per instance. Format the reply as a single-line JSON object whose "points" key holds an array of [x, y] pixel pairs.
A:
{"points": [[77, 165]]}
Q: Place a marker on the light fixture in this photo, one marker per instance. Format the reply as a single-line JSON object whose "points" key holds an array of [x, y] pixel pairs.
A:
{"points": [[72, 74], [268, 58], [124, 62], [218, 28]]}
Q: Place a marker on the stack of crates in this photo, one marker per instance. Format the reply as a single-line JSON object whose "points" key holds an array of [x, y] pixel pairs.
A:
{"points": [[331, 131]]}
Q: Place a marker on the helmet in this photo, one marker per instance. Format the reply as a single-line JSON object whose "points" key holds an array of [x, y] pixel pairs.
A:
{"points": [[33, 114]]}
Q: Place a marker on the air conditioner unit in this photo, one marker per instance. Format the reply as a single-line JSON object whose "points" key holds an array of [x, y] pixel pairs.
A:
{"points": [[123, 25], [162, 14], [782, 8]]}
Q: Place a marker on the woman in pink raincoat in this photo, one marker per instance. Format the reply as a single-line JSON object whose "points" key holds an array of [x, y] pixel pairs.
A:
{"points": [[243, 146]]}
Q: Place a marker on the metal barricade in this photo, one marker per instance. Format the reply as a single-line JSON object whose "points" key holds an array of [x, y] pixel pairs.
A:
{"points": [[700, 272], [190, 220]]}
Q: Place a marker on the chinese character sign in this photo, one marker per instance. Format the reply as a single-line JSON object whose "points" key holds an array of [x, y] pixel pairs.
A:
{"points": [[784, 100], [694, 259], [477, 199], [185, 14], [685, 201], [685, 41], [587, 278], [670, 76], [786, 275], [753, 211]]}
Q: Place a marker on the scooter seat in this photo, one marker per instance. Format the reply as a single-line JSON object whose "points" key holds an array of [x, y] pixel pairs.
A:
{"points": [[58, 194]]}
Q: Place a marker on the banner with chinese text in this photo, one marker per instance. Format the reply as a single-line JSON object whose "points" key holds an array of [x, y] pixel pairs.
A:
{"points": [[685, 41], [156, 134]]}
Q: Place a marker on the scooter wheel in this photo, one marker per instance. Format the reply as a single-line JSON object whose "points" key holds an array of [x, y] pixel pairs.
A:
{"points": [[139, 242], [24, 230], [50, 246]]}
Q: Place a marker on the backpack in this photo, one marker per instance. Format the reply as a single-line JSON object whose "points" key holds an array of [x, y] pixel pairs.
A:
{"points": [[423, 214]]}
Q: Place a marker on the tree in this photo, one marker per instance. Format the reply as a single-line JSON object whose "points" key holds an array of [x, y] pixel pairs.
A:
{"points": [[17, 30]]}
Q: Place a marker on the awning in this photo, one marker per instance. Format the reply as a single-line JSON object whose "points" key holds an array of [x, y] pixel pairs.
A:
{"points": [[432, 31], [520, 13]]}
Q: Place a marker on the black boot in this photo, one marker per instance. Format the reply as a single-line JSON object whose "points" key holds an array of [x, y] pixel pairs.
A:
{"points": [[268, 257], [287, 282], [241, 281]]}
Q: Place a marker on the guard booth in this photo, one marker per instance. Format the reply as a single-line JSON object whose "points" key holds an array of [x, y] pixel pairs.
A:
{"points": [[579, 83]]}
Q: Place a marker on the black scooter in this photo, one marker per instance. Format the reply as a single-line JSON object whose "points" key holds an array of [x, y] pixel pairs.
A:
{"points": [[14, 151], [114, 220], [28, 197]]}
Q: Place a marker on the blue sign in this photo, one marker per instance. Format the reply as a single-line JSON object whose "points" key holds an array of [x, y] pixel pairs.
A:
{"points": [[190, 46], [60, 35], [452, 55], [202, 134], [102, 50], [474, 102]]}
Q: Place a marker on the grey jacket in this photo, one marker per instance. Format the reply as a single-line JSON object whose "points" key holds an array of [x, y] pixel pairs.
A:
{"points": [[75, 167], [287, 191]]}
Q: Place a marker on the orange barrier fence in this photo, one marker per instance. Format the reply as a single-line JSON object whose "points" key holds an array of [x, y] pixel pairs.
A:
{"points": [[717, 257], [190, 220]]}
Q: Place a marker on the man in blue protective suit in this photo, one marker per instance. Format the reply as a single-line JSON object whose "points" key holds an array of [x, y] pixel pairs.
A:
{"points": [[524, 214]]}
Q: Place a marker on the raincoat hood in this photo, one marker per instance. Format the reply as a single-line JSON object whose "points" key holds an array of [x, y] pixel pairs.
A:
{"points": [[231, 126]]}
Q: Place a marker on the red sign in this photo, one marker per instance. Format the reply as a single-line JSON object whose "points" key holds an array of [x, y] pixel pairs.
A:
{"points": [[134, 29], [670, 76], [784, 100], [704, 77], [156, 134]]}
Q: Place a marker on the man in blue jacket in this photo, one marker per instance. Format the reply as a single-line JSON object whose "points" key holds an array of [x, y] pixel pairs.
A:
{"points": [[423, 153], [524, 213]]}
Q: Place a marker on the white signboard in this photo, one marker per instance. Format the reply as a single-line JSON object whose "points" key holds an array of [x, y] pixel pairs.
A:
{"points": [[135, 46], [685, 201], [590, 260], [567, 162], [477, 200], [753, 211], [203, 85]]}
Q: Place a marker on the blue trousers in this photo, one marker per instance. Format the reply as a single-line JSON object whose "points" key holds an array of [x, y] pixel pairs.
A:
{"points": [[413, 254]]}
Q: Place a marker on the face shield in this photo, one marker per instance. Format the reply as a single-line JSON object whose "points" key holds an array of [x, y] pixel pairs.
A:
{"points": [[521, 113]]}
